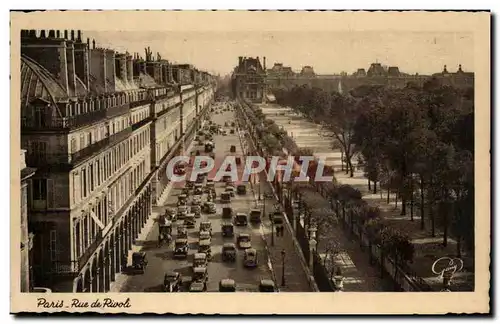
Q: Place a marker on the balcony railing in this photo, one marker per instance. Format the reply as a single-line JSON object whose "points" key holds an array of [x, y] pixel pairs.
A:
{"points": [[97, 147]]}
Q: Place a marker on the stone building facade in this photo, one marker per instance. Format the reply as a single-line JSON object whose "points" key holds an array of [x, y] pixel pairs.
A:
{"points": [[98, 126], [249, 79]]}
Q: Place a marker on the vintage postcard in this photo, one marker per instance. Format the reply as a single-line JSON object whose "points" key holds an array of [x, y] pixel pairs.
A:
{"points": [[300, 162]]}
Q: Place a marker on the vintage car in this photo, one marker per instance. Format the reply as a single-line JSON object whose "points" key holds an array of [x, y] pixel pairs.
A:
{"points": [[185, 191], [196, 200], [172, 281], [230, 190], [232, 149], [210, 185], [244, 241], [181, 200], [204, 247], [139, 261], [227, 229], [267, 285], [227, 178], [205, 236], [182, 232], [190, 220], [197, 287], [189, 184], [227, 213], [196, 210], [206, 226], [181, 248], [231, 131], [225, 198], [200, 276], [209, 207], [241, 189], [200, 260], [198, 188], [250, 258], [277, 218], [182, 212], [255, 216], [229, 252], [227, 285], [241, 219], [170, 214], [238, 160]]}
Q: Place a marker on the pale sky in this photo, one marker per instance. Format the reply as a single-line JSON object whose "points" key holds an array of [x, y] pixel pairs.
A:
{"points": [[327, 51]]}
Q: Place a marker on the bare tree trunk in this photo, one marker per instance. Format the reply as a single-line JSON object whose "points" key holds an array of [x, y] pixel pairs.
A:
{"points": [[342, 159], [388, 192], [422, 203], [369, 185], [396, 199], [375, 187]]}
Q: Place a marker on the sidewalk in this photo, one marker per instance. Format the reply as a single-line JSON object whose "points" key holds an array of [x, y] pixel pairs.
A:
{"points": [[296, 279]]}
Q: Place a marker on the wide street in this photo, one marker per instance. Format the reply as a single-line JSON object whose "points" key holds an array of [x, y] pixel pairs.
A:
{"points": [[160, 259]]}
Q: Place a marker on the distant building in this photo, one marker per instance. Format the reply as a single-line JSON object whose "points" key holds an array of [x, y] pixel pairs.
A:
{"points": [[307, 71], [249, 79], [26, 236]]}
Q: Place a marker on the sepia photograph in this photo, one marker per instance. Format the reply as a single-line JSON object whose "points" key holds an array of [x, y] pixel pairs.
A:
{"points": [[267, 156]]}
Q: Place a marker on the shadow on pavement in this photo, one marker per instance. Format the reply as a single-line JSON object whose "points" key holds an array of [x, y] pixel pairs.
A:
{"points": [[157, 288]]}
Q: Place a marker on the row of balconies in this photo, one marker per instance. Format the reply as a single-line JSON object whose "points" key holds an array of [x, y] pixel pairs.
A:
{"points": [[47, 122]]}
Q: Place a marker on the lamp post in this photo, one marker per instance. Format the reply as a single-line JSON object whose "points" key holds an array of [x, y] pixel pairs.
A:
{"points": [[283, 253]]}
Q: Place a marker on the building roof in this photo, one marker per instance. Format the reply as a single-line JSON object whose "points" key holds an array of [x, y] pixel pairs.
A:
{"points": [[37, 82]]}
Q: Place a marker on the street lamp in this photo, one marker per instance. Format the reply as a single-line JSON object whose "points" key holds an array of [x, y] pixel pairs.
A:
{"points": [[312, 248], [283, 268]]}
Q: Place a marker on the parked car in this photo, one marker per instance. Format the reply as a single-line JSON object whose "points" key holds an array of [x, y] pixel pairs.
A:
{"points": [[206, 226], [227, 213]]}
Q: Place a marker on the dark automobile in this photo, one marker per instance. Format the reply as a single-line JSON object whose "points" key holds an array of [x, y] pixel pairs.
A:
{"points": [[227, 229], [209, 208], [255, 216], [204, 247], [241, 189], [241, 219], [225, 198], [181, 248], [227, 213], [229, 252], [277, 218], [190, 221], [172, 281], [198, 188], [139, 261]]}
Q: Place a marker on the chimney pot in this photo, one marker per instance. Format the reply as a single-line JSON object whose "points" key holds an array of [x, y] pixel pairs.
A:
{"points": [[79, 35], [93, 43], [32, 33], [42, 33], [65, 34], [72, 35], [58, 34], [52, 33]]}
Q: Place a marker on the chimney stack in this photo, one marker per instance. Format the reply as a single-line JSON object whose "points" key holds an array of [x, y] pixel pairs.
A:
{"points": [[52, 33], [58, 34], [72, 35], [65, 34], [264, 63], [70, 58], [130, 69], [240, 60], [79, 36], [82, 61], [42, 34]]}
